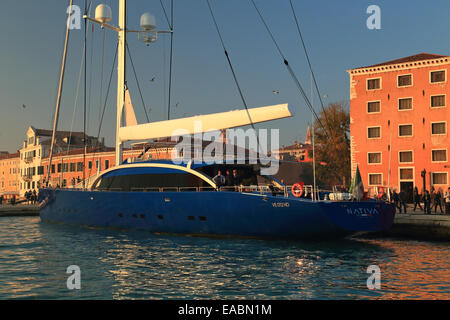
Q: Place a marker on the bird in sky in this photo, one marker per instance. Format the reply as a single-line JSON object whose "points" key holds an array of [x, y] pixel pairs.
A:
{"points": [[276, 92], [152, 79], [24, 106]]}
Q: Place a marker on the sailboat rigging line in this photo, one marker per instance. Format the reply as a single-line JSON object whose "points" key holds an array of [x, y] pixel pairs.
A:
{"points": [[291, 72], [102, 76], [107, 92], [75, 104], [165, 14], [85, 93], [58, 101], [170, 60], [309, 63], [170, 24], [137, 82], [234, 74], [104, 108], [90, 77]]}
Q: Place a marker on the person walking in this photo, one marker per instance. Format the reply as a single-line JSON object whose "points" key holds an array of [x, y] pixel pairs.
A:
{"points": [[402, 196], [447, 201], [426, 202], [437, 201], [417, 198], [395, 199], [34, 197]]}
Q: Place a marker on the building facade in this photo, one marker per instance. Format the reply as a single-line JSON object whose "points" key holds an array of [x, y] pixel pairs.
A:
{"points": [[398, 122], [301, 152], [9, 174]]}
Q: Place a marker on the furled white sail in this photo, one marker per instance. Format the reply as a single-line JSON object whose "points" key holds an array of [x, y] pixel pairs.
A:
{"points": [[203, 123], [129, 116]]}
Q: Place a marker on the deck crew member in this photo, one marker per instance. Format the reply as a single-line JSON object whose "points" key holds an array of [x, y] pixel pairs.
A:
{"points": [[219, 179]]}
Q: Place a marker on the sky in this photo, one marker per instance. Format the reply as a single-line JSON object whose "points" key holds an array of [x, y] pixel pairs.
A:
{"points": [[335, 33]]}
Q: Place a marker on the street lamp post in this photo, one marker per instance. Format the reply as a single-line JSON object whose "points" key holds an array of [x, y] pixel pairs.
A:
{"points": [[423, 175]]}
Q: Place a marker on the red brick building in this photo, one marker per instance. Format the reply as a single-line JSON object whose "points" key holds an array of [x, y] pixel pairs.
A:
{"points": [[398, 120]]}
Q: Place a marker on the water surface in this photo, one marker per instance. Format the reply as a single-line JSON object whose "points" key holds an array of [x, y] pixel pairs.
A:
{"points": [[34, 257]]}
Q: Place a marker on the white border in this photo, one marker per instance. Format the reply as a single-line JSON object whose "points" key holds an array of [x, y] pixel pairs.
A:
{"points": [[405, 124], [438, 95], [406, 74], [377, 163], [412, 151], [367, 107], [438, 134], [439, 184], [374, 173], [381, 84], [446, 155], [374, 137], [431, 71], [403, 98]]}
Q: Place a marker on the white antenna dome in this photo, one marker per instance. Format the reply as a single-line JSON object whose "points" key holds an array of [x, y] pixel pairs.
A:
{"points": [[148, 22], [103, 13]]}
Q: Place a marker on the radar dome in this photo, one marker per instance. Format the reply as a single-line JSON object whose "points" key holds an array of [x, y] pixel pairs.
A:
{"points": [[148, 22], [103, 13]]}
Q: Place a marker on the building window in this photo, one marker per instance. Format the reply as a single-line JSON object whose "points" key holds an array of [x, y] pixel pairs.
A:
{"points": [[79, 166], [439, 128], [40, 170], [406, 174], [405, 157], [405, 104], [438, 101], [53, 168], [106, 164], [373, 107], [373, 132], [374, 157], [437, 76], [375, 179], [374, 84], [439, 155], [90, 164], [72, 167], [405, 80], [439, 178], [405, 130], [59, 167]]}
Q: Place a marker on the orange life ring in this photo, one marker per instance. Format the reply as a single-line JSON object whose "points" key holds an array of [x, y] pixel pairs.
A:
{"points": [[297, 189]]}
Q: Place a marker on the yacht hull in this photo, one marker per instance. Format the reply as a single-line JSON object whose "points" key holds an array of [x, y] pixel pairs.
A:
{"points": [[214, 213]]}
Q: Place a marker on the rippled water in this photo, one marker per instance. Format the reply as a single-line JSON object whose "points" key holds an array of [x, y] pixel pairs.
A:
{"points": [[114, 264]]}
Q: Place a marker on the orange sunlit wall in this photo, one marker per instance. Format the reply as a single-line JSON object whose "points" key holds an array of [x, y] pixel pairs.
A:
{"points": [[399, 120]]}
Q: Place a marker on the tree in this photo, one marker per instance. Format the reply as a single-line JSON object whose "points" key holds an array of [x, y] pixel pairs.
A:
{"points": [[332, 145]]}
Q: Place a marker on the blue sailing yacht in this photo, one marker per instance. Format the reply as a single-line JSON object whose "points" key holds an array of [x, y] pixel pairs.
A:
{"points": [[182, 198]]}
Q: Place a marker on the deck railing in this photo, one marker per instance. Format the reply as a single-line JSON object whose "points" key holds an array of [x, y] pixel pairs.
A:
{"points": [[284, 192]]}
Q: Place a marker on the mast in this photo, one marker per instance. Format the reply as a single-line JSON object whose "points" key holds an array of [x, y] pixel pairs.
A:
{"points": [[312, 136], [121, 65], [58, 100]]}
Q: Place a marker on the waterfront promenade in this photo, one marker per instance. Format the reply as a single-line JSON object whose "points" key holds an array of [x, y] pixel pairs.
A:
{"points": [[19, 210]]}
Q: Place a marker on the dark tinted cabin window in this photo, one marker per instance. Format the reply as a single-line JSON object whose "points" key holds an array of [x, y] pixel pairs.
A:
{"points": [[141, 182]]}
